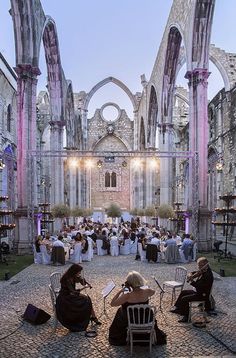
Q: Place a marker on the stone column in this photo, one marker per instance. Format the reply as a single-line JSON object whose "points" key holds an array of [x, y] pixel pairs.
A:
{"points": [[26, 141], [57, 169], [136, 135], [166, 164], [198, 167], [84, 114]]}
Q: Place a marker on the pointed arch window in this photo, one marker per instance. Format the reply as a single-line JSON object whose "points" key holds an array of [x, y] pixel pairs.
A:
{"points": [[9, 112], [113, 180], [107, 180]]}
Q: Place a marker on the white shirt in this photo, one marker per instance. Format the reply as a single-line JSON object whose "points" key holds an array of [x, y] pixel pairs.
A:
{"points": [[155, 241], [58, 243]]}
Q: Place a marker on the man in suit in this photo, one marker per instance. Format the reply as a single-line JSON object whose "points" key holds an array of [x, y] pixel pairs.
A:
{"points": [[202, 281]]}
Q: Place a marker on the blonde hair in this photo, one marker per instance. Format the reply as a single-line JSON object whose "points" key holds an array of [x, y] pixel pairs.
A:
{"points": [[135, 279]]}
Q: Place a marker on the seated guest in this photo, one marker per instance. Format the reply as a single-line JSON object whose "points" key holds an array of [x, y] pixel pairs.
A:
{"points": [[187, 246], [136, 295], [58, 251], [202, 285], [170, 240], [155, 239], [38, 242], [143, 240], [74, 310]]}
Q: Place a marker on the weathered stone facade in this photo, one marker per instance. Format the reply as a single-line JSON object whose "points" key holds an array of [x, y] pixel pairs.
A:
{"points": [[8, 131], [110, 136], [160, 125]]}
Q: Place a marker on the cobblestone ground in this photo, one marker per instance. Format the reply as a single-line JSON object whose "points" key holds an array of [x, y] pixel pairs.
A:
{"points": [[21, 339]]}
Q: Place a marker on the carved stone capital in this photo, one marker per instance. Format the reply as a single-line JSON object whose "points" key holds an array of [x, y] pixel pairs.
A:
{"points": [[25, 71], [197, 76]]}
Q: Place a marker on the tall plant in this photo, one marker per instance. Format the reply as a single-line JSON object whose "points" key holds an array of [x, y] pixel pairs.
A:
{"points": [[165, 211], [61, 211], [113, 211]]}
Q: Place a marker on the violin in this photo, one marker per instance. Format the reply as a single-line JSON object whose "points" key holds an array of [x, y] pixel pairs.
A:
{"points": [[88, 284], [198, 273]]}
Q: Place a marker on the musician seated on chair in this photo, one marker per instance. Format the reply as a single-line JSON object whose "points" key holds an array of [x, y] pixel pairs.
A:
{"points": [[202, 281], [132, 293], [74, 309]]}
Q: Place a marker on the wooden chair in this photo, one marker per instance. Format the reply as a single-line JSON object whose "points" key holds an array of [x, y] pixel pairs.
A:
{"points": [[141, 320]]}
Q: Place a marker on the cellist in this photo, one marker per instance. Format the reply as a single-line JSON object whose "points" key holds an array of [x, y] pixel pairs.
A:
{"points": [[202, 281]]}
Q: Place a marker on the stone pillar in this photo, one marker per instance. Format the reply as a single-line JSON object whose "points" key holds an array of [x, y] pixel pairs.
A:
{"points": [[84, 114], [26, 141], [198, 167], [136, 135], [57, 169], [166, 164]]}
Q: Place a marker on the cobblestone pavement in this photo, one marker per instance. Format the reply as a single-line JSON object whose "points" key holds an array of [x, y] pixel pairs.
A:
{"points": [[21, 339]]}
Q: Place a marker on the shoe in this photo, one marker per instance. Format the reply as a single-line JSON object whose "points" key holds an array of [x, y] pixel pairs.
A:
{"points": [[96, 321], [183, 320]]}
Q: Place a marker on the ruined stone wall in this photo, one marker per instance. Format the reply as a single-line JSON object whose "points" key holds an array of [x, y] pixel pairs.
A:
{"points": [[113, 136]]}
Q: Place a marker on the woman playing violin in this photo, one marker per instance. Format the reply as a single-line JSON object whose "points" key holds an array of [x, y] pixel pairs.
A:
{"points": [[202, 281], [74, 309]]}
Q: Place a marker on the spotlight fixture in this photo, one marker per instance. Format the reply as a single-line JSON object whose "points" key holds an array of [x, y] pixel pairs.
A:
{"points": [[2, 164], [124, 164], [99, 164], [219, 166]]}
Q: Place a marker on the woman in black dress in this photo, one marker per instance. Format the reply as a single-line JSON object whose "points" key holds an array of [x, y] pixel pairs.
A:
{"points": [[74, 310], [136, 295]]}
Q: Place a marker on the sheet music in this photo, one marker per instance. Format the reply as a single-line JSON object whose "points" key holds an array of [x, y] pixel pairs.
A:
{"points": [[107, 290]]}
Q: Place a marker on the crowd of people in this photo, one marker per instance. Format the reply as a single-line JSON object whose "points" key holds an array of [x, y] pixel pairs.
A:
{"points": [[80, 244]]}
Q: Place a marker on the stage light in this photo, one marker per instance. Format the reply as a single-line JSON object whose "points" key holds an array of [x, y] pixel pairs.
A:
{"points": [[2, 164]]}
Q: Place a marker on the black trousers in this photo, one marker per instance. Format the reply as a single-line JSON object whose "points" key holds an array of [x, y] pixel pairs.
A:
{"points": [[184, 298]]}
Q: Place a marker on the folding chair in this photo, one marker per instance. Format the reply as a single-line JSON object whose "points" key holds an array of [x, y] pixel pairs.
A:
{"points": [[141, 320], [53, 299], [178, 282], [55, 278]]}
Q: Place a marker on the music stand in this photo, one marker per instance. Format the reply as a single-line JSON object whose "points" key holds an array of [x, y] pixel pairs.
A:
{"points": [[161, 292], [105, 293]]}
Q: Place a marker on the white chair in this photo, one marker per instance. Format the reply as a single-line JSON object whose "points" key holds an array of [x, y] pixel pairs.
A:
{"points": [[100, 251], [114, 246], [194, 253], [55, 279], [134, 246], [46, 257], [172, 254], [76, 257], [37, 256], [125, 249], [177, 283], [88, 255], [141, 320], [53, 299], [197, 308], [142, 253]]}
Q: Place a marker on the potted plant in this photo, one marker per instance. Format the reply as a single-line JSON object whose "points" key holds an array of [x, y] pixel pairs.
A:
{"points": [[113, 211], [61, 211]]}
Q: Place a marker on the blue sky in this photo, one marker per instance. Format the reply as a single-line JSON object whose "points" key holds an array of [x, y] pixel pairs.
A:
{"points": [[101, 38]]}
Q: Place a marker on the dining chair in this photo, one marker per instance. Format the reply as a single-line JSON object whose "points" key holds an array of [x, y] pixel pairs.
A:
{"points": [[141, 321], [53, 299], [177, 283], [55, 278]]}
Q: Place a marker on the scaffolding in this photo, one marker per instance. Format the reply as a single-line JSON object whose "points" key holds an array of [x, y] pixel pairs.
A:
{"points": [[41, 157]]}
